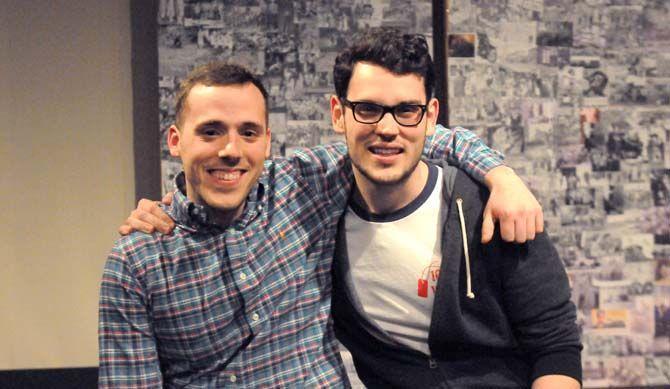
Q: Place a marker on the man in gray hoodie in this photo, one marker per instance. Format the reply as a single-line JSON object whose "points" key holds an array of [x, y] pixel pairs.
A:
{"points": [[418, 300]]}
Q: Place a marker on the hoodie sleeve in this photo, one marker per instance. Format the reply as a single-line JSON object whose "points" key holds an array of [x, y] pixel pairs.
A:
{"points": [[537, 299]]}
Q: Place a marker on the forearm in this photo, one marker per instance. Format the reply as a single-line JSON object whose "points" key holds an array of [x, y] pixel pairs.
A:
{"points": [[556, 381], [464, 149]]}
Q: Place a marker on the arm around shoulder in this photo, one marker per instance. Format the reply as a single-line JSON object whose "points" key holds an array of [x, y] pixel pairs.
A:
{"points": [[324, 170], [511, 203], [464, 149]]}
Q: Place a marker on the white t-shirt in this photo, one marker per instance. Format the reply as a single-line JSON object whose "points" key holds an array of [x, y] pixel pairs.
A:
{"points": [[395, 263]]}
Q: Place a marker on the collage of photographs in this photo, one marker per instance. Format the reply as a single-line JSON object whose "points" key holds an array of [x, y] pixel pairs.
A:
{"points": [[574, 93], [577, 96]]}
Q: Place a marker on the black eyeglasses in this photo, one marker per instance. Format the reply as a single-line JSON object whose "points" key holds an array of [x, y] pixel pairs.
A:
{"points": [[407, 115]]}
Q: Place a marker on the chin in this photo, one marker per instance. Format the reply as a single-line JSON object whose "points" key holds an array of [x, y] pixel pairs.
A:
{"points": [[388, 181], [385, 178]]}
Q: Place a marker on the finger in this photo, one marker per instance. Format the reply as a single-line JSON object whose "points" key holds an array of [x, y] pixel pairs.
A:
{"points": [[487, 227], [147, 205], [140, 225], [151, 212], [163, 218], [167, 199], [506, 228], [163, 223], [539, 222], [530, 226], [136, 224], [163, 227], [160, 221], [520, 230], [124, 230]]}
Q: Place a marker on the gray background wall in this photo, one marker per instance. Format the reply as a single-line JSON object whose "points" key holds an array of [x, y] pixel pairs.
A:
{"points": [[67, 176], [596, 155]]}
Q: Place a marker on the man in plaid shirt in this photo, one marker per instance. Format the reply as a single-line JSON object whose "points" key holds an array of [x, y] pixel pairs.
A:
{"points": [[239, 294]]}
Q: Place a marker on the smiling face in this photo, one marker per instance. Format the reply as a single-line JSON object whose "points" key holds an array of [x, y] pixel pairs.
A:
{"points": [[384, 153], [222, 141]]}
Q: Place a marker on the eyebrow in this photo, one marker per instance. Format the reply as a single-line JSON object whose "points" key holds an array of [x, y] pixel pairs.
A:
{"points": [[222, 126], [212, 123], [251, 124]]}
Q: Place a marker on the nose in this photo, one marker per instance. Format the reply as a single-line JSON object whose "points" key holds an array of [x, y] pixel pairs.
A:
{"points": [[387, 127], [231, 149]]}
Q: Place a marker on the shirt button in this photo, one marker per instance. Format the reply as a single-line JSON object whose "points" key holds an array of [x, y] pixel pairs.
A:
{"points": [[233, 378], [255, 317], [243, 276]]}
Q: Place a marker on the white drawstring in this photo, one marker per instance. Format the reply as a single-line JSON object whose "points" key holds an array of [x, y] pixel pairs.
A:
{"points": [[459, 203]]}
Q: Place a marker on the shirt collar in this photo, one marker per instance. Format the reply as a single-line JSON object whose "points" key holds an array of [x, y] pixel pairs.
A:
{"points": [[195, 217]]}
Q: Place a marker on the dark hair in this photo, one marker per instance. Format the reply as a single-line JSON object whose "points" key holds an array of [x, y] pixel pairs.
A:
{"points": [[216, 74], [389, 48], [593, 75]]}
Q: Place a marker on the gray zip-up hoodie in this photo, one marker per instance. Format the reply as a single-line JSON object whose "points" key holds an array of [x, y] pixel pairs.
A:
{"points": [[502, 314]]}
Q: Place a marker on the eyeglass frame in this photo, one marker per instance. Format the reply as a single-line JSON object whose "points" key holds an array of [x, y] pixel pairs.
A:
{"points": [[385, 109]]}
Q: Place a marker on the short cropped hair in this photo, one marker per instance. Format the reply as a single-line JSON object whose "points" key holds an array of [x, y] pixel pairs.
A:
{"points": [[216, 73], [389, 48]]}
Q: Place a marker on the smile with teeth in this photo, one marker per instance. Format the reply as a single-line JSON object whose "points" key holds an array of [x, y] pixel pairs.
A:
{"points": [[385, 150], [225, 175]]}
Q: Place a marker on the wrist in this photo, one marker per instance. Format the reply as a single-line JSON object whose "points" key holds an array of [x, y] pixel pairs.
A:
{"points": [[497, 175]]}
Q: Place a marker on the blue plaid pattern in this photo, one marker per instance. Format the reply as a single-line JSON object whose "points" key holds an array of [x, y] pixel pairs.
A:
{"points": [[248, 305]]}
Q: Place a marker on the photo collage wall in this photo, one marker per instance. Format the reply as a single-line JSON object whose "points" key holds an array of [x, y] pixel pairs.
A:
{"points": [[576, 93]]}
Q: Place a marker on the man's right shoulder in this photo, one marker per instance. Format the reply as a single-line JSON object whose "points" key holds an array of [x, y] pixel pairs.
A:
{"points": [[138, 248]]}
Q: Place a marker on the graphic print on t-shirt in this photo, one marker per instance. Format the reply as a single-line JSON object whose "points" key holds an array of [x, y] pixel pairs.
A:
{"points": [[427, 281]]}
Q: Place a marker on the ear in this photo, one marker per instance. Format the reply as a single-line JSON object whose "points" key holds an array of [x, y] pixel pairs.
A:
{"points": [[337, 114], [432, 111], [268, 146], [173, 138]]}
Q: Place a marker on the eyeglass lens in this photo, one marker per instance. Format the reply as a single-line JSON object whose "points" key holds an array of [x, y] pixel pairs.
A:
{"points": [[405, 114]]}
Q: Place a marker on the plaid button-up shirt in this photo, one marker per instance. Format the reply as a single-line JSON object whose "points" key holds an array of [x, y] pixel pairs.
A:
{"points": [[247, 305]]}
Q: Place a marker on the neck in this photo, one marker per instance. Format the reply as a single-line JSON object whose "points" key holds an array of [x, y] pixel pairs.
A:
{"points": [[384, 198], [224, 218]]}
